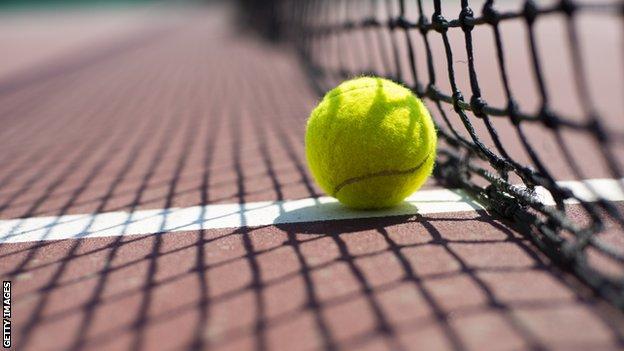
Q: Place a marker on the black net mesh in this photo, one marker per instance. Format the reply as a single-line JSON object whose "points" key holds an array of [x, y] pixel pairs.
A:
{"points": [[496, 149]]}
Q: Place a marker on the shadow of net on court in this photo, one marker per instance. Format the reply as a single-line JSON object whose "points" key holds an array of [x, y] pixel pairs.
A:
{"points": [[393, 283]]}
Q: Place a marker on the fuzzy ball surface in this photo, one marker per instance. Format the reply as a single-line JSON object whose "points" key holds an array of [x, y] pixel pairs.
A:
{"points": [[370, 143]]}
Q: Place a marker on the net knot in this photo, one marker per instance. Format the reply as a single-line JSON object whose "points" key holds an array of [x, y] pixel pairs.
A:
{"points": [[440, 24], [548, 118], [418, 88], [568, 6], [466, 17], [477, 104], [506, 205], [370, 22], [530, 11], [512, 110], [490, 15], [457, 98], [431, 91], [423, 24], [598, 129], [400, 22]]}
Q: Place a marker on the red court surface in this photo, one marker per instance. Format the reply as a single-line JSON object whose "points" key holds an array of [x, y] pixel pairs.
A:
{"points": [[163, 109]]}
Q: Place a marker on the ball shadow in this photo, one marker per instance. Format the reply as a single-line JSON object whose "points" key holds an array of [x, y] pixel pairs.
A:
{"points": [[336, 218]]}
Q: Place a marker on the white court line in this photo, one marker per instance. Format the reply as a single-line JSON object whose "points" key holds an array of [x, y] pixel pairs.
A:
{"points": [[256, 214]]}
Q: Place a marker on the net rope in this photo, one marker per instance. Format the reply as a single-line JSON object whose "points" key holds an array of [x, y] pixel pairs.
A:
{"points": [[341, 39]]}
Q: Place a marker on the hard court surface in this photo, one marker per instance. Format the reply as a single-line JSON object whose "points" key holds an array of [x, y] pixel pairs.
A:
{"points": [[157, 109]]}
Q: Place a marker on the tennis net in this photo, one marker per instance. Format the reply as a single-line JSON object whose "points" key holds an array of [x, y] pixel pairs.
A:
{"points": [[512, 120]]}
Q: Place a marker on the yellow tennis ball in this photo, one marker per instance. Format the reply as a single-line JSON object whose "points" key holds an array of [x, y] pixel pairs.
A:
{"points": [[370, 143]]}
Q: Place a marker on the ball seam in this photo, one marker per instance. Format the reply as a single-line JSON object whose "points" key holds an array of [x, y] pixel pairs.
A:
{"points": [[383, 173]]}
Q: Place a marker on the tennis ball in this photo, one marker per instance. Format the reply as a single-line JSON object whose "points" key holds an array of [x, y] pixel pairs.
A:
{"points": [[370, 143]]}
